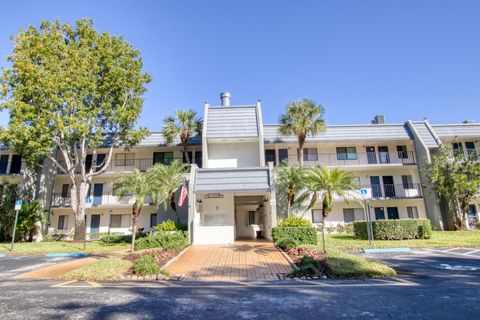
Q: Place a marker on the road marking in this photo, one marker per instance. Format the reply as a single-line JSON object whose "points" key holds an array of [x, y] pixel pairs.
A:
{"points": [[94, 284], [465, 254], [63, 284]]}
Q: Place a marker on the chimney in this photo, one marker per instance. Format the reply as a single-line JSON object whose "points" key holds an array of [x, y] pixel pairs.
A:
{"points": [[469, 121], [225, 97], [379, 119]]}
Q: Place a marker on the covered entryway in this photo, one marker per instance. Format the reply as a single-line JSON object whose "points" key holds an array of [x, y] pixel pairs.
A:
{"points": [[242, 261], [251, 216]]}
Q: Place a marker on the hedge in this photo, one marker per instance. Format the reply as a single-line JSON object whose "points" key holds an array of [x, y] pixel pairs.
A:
{"points": [[304, 235], [396, 229], [164, 240]]}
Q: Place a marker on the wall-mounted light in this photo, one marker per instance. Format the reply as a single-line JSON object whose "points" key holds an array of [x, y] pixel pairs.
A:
{"points": [[199, 201]]}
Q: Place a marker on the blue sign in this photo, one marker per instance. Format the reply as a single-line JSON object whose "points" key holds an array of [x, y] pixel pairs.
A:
{"points": [[18, 204], [88, 202], [366, 193]]}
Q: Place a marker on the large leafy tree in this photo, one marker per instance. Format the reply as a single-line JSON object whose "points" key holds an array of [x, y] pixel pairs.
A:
{"points": [[302, 118], [182, 124], [328, 184], [72, 90], [290, 183], [10, 193], [165, 180], [29, 216], [137, 185], [456, 178]]}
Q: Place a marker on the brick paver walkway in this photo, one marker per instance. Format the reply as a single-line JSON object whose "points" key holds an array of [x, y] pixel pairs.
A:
{"points": [[245, 260]]}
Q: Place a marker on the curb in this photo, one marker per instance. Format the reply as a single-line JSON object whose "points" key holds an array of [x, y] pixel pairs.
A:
{"points": [[386, 250], [73, 254], [294, 266]]}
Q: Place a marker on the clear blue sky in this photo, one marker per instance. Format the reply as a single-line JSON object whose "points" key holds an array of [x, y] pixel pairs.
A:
{"points": [[408, 59]]}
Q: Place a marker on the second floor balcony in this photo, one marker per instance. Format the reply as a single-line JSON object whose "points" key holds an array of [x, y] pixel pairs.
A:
{"points": [[387, 191], [104, 199], [354, 159]]}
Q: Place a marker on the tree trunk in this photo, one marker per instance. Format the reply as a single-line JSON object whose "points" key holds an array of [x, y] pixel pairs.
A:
{"points": [[465, 224], [185, 152], [324, 238], [301, 142], [78, 199], [37, 234], [135, 214]]}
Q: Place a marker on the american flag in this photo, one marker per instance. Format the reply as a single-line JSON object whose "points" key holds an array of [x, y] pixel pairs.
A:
{"points": [[183, 195]]}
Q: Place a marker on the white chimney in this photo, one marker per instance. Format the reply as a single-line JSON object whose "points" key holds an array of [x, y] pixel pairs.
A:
{"points": [[379, 119], [225, 97]]}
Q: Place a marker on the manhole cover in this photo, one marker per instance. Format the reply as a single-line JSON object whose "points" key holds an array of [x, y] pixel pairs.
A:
{"points": [[458, 267]]}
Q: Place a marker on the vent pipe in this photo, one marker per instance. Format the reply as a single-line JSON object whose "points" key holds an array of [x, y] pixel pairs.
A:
{"points": [[379, 119], [225, 98]]}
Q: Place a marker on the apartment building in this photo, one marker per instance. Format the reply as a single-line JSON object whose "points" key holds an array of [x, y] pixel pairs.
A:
{"points": [[231, 182]]}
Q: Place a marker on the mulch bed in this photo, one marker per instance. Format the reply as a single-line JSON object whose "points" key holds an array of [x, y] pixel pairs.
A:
{"points": [[162, 256], [296, 254]]}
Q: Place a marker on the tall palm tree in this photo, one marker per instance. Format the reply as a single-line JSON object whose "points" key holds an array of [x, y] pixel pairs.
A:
{"points": [[182, 124], [328, 183], [134, 184], [165, 180], [291, 180], [302, 118]]}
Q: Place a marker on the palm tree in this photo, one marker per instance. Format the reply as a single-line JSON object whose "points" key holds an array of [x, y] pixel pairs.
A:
{"points": [[134, 184], [302, 118], [165, 180], [182, 124], [291, 180], [328, 183]]}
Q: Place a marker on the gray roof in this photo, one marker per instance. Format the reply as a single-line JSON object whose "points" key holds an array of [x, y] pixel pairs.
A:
{"points": [[157, 139], [344, 133], [232, 180], [467, 130], [425, 134], [232, 122]]}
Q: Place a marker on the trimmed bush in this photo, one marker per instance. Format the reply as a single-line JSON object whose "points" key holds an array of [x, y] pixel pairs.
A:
{"points": [[294, 222], [170, 225], [307, 267], [146, 266], [120, 238], [164, 240], [305, 235], [286, 244], [397, 229]]}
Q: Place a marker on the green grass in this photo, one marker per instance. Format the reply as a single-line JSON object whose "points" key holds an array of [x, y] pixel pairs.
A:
{"points": [[440, 239], [30, 248], [103, 269]]}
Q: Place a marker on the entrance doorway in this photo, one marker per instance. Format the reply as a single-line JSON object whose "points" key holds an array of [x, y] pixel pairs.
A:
{"points": [[250, 217], [94, 226]]}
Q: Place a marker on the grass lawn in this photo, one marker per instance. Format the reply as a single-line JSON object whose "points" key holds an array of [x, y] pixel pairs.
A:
{"points": [[30, 248], [103, 269], [440, 239]]}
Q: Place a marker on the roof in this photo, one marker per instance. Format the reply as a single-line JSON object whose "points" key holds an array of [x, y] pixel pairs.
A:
{"points": [[425, 134], [232, 180], [157, 139], [467, 130], [232, 122], [344, 133]]}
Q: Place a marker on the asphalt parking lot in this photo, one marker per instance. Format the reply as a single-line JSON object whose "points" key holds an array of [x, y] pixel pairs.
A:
{"points": [[431, 285], [12, 265]]}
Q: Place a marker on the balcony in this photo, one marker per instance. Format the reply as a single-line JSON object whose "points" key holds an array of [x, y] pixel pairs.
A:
{"points": [[467, 153], [355, 159], [11, 168], [124, 165], [105, 199], [388, 191]]}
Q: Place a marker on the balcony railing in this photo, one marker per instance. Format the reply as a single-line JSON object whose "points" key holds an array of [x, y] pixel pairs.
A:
{"points": [[470, 153], [125, 165], [355, 159], [388, 191], [105, 199]]}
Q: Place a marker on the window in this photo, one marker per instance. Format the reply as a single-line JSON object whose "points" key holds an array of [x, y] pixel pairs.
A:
{"points": [[162, 157], [457, 148], [356, 182], [346, 153], [270, 156], [392, 213], [3, 163], [470, 146], [124, 159], [402, 152], [88, 162], [412, 212], [352, 214], [253, 217], [383, 154], [100, 161], [317, 216], [153, 220], [407, 182], [215, 220], [379, 213], [198, 158], [16, 164], [310, 154], [119, 221], [62, 222], [65, 188], [282, 155]]}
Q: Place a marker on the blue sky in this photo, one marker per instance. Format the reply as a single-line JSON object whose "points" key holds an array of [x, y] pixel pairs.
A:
{"points": [[407, 59]]}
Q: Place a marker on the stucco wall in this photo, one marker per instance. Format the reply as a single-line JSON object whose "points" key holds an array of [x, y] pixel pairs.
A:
{"points": [[233, 155]]}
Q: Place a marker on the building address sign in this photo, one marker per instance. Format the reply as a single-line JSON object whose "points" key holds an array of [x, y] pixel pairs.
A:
{"points": [[213, 195]]}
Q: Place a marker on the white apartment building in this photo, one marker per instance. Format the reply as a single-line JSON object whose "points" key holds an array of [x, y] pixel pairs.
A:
{"points": [[231, 185]]}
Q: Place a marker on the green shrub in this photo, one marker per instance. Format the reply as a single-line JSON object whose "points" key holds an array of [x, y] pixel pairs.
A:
{"points": [[304, 235], [54, 237], [307, 267], [477, 225], [286, 244], [294, 222], [397, 229], [163, 240], [170, 225], [120, 238], [146, 266]]}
